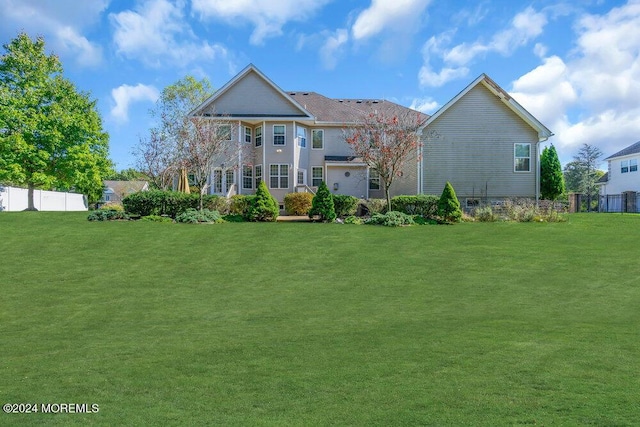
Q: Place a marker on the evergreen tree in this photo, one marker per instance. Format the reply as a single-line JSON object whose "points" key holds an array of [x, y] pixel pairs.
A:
{"points": [[322, 204], [551, 177], [264, 207], [448, 205]]}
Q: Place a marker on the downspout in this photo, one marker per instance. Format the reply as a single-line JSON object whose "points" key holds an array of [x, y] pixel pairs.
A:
{"points": [[240, 174]]}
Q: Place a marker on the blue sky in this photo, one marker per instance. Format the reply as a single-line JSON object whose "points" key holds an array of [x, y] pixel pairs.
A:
{"points": [[574, 64]]}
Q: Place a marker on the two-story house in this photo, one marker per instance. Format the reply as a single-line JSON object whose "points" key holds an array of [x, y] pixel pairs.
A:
{"points": [[620, 185], [482, 141]]}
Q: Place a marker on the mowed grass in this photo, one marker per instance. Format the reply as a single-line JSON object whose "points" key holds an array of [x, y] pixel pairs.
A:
{"points": [[321, 324]]}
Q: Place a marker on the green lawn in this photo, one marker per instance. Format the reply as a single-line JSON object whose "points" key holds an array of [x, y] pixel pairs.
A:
{"points": [[317, 324]]}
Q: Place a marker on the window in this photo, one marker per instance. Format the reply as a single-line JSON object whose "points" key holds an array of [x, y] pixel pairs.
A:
{"points": [[278, 134], [317, 139], [230, 179], [258, 136], [374, 180], [302, 137], [258, 174], [633, 165], [247, 177], [247, 134], [217, 181], [279, 176], [224, 132], [522, 157], [624, 166], [317, 176], [302, 177]]}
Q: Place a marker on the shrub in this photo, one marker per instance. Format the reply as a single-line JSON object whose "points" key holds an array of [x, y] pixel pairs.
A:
{"points": [[424, 205], [351, 219], [217, 203], [156, 218], [158, 202], [298, 203], [194, 216], [239, 204], [264, 207], [107, 215], [344, 205], [485, 214], [233, 218], [112, 206], [420, 220], [322, 204], [390, 219], [375, 206], [448, 205]]}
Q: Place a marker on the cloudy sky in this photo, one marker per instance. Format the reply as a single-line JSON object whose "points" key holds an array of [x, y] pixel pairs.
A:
{"points": [[574, 64]]}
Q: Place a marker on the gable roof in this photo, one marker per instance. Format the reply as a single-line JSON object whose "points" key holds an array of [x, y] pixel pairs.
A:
{"points": [[632, 149], [125, 187], [241, 75], [543, 132]]}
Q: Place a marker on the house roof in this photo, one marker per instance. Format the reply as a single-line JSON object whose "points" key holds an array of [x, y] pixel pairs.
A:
{"points": [[314, 106], [126, 187], [543, 132], [603, 179], [632, 149]]}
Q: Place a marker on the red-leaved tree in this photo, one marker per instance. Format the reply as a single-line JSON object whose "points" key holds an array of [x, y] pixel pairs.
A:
{"points": [[386, 143]]}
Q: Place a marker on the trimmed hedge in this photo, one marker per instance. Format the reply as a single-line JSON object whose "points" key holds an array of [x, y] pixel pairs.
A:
{"points": [[424, 205], [171, 203], [345, 205], [298, 203]]}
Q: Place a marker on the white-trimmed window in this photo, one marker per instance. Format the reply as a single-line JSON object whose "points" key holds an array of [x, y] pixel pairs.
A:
{"points": [[258, 136], [258, 174], [301, 134], [633, 165], [522, 157], [247, 134], [224, 131], [317, 176], [302, 177], [374, 180], [624, 166], [278, 134], [223, 180], [247, 177], [317, 139], [279, 176]]}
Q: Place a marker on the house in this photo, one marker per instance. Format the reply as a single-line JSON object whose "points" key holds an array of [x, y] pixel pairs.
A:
{"points": [[482, 141], [620, 185], [115, 191]]}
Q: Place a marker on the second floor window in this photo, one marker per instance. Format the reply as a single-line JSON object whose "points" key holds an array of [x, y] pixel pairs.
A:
{"points": [[278, 134], [302, 137], [258, 136], [247, 134]]}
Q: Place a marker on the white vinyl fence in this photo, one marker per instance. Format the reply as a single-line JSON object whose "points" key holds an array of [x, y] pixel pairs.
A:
{"points": [[16, 199]]}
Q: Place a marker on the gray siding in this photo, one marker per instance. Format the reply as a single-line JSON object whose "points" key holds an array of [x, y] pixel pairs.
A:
{"points": [[471, 145], [253, 96]]}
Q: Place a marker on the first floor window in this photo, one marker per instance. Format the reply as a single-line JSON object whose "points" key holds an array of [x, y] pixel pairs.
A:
{"points": [[279, 176], [258, 174], [278, 134], [247, 177], [247, 134], [374, 180], [302, 137], [633, 165], [317, 139], [317, 176], [258, 136], [522, 157], [302, 174]]}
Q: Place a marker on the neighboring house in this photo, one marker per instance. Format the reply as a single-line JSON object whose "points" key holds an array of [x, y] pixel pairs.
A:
{"points": [[115, 191], [482, 141], [619, 187]]}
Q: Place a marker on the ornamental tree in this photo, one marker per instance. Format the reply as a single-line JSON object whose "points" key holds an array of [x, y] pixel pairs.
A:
{"points": [[385, 143], [264, 206], [322, 204], [449, 205], [51, 135], [551, 178]]}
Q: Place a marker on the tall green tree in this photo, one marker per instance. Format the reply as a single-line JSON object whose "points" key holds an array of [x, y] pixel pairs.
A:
{"points": [[51, 135], [581, 174], [551, 178]]}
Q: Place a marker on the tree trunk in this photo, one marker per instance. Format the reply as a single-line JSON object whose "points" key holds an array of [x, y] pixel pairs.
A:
{"points": [[30, 206]]}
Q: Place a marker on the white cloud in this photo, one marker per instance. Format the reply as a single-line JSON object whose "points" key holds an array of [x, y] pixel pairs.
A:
{"points": [[157, 31], [125, 95], [397, 15], [427, 76], [267, 16], [424, 105], [592, 97], [332, 47], [60, 22]]}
